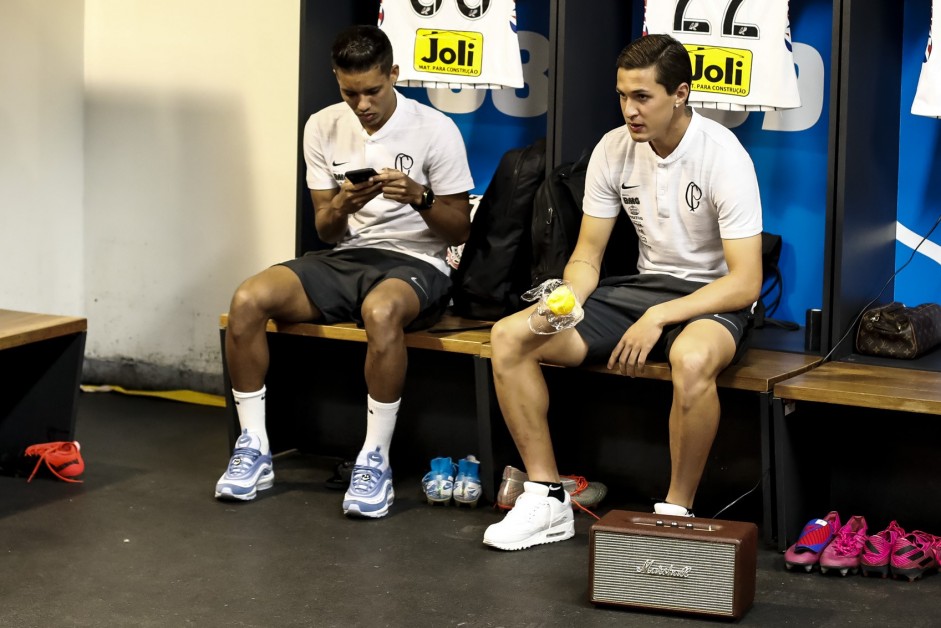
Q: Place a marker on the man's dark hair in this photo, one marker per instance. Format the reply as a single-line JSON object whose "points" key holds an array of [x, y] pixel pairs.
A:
{"points": [[668, 56], [361, 48]]}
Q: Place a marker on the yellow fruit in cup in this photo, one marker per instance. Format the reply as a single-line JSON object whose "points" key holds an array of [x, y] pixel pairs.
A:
{"points": [[561, 301]]}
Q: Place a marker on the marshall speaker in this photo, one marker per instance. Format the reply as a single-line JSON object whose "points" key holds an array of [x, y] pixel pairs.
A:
{"points": [[677, 564]]}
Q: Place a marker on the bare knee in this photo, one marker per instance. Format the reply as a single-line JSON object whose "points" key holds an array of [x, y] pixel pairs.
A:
{"points": [[694, 375], [506, 343], [273, 293], [246, 309], [384, 322]]}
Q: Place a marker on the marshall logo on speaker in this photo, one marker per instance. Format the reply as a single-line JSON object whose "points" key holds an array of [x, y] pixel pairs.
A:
{"points": [[658, 562], [651, 567]]}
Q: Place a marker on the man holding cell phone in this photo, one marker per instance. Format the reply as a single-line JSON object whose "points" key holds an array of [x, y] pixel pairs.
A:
{"points": [[389, 181]]}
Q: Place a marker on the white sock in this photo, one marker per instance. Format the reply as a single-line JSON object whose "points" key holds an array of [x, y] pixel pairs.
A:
{"points": [[380, 424], [250, 407], [666, 508]]}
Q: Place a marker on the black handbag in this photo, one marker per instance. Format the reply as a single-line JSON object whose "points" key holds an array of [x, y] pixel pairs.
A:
{"points": [[897, 331]]}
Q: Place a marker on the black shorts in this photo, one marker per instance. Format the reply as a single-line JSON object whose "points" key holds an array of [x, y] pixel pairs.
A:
{"points": [[337, 282], [619, 302]]}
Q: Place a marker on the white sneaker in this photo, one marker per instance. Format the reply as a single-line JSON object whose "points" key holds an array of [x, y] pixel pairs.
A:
{"points": [[535, 519]]}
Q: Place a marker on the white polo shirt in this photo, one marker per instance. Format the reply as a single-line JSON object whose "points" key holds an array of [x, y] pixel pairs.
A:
{"points": [[420, 141], [741, 52], [683, 206], [928, 94]]}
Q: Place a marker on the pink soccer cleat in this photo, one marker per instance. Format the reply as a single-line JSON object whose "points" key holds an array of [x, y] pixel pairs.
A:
{"points": [[913, 555], [815, 536], [844, 550], [877, 549]]}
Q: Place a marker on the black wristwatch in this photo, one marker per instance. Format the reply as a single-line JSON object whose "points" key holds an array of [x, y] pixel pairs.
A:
{"points": [[427, 200]]}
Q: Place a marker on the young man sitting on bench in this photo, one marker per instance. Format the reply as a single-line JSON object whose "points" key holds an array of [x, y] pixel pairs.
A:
{"points": [[392, 226], [690, 190]]}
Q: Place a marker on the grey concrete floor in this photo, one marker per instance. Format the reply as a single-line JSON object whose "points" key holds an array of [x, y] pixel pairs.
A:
{"points": [[142, 542]]}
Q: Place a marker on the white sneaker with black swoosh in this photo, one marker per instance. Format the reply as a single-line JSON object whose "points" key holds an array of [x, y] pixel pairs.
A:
{"points": [[535, 519]]}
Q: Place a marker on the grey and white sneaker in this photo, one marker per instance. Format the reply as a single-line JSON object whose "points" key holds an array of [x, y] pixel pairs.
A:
{"points": [[249, 470], [370, 493], [535, 519], [583, 492]]}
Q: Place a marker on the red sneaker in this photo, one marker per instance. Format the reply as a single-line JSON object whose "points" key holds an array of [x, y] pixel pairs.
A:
{"points": [[62, 458]]}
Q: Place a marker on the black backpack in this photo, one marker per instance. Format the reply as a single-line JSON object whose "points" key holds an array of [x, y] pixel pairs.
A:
{"points": [[772, 285], [494, 267], [557, 217]]}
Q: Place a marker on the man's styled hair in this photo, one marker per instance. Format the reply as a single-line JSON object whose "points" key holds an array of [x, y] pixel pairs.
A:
{"points": [[361, 48], [668, 56]]}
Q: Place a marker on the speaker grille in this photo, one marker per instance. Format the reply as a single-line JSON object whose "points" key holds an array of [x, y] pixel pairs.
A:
{"points": [[665, 573]]}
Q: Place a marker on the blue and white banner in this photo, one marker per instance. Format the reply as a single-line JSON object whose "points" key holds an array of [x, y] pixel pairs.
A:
{"points": [[919, 173], [789, 148], [494, 121]]}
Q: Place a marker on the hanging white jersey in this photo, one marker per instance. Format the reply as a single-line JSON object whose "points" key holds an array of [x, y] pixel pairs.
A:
{"points": [[928, 95], [454, 43], [740, 50]]}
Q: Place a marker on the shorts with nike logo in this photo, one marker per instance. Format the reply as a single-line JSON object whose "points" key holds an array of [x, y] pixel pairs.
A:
{"points": [[337, 281], [618, 302]]}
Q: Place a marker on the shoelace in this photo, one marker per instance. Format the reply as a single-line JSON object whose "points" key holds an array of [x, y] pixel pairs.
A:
{"points": [[848, 543], [366, 477], [887, 537], [45, 450], [916, 541], [526, 512], [364, 480], [242, 461], [580, 485]]}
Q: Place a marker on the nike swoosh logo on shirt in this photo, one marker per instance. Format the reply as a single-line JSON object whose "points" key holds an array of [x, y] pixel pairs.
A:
{"points": [[629, 187], [340, 163]]}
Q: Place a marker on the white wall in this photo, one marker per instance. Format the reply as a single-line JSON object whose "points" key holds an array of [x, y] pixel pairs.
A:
{"points": [[190, 158], [147, 165], [41, 186]]}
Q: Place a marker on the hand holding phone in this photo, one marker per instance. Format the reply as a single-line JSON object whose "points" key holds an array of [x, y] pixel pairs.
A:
{"points": [[360, 176]]}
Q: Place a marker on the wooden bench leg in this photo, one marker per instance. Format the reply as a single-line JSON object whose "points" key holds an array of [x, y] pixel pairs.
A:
{"points": [[483, 383], [235, 428], [768, 520], [786, 477]]}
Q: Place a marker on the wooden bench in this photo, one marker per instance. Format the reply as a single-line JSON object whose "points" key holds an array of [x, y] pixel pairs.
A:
{"points": [[844, 384], [466, 335], [41, 359], [866, 386], [757, 372], [452, 335]]}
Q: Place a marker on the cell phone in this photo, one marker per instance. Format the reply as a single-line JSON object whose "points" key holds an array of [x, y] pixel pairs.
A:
{"points": [[361, 175]]}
